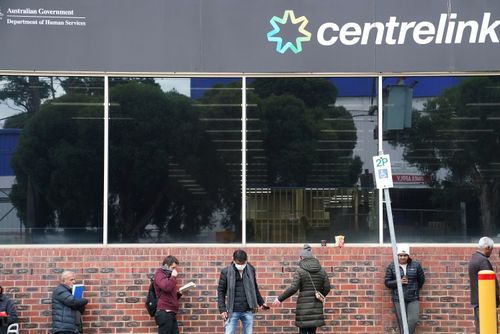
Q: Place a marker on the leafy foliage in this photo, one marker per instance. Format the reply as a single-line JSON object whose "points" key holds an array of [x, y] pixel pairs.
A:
{"points": [[459, 131]]}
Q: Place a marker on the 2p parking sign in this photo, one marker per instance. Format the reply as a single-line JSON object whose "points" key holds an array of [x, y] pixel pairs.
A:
{"points": [[382, 171]]}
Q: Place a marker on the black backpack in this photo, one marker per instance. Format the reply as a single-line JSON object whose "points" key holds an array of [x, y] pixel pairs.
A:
{"points": [[151, 299]]}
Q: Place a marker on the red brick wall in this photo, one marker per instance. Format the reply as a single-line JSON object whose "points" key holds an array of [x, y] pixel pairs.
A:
{"points": [[117, 280]]}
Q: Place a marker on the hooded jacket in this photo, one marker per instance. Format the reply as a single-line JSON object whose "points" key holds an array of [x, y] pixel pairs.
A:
{"points": [[308, 276], [166, 290]]}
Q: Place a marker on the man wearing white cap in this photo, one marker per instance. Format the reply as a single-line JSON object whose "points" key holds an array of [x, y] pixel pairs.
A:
{"points": [[412, 279]]}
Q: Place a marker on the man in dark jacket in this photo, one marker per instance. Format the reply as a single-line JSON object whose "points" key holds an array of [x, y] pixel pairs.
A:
{"points": [[412, 278], [308, 278], [168, 296], [238, 295], [480, 261], [8, 313], [66, 309]]}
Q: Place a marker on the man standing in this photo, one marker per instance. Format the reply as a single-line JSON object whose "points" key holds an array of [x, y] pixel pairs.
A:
{"points": [[479, 261], [8, 313], [66, 309], [412, 278], [165, 282], [238, 295]]}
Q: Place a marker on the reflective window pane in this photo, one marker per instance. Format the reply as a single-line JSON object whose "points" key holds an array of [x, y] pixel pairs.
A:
{"points": [[175, 160], [51, 168], [443, 137], [309, 150]]}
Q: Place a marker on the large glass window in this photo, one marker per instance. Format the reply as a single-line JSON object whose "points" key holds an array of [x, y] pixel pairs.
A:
{"points": [[443, 135], [51, 168], [309, 160], [175, 160]]}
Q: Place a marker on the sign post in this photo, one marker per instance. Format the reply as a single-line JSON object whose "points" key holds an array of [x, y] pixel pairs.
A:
{"points": [[383, 179]]}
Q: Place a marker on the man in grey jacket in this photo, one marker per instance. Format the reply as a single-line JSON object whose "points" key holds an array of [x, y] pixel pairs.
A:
{"points": [[238, 295], [66, 309], [480, 261]]}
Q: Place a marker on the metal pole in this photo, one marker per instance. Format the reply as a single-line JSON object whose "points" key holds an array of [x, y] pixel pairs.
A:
{"points": [[380, 145], [387, 199], [244, 160], [106, 163]]}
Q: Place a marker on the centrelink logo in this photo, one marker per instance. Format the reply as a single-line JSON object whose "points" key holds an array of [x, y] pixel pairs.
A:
{"points": [[448, 30], [301, 23], [1, 14]]}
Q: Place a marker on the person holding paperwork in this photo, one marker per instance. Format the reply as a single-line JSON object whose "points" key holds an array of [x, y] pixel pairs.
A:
{"points": [[165, 282], [66, 308]]}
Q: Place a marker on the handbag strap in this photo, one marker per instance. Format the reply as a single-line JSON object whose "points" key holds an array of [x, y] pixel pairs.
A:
{"points": [[314, 286]]}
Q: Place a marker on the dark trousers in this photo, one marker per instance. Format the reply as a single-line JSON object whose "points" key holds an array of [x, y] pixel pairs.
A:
{"points": [[476, 318], [310, 330], [167, 322], [412, 312]]}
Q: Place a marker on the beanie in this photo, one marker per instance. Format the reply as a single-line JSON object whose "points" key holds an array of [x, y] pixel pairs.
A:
{"points": [[306, 251], [403, 249]]}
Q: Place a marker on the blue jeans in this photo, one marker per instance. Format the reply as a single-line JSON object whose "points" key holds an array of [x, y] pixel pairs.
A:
{"points": [[232, 323]]}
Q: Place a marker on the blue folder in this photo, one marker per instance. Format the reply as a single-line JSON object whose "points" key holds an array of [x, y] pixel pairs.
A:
{"points": [[78, 290]]}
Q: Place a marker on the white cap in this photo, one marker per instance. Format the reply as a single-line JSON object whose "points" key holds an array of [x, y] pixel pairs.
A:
{"points": [[403, 249]]}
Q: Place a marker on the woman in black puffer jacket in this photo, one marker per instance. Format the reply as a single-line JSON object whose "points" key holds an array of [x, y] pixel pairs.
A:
{"points": [[307, 279]]}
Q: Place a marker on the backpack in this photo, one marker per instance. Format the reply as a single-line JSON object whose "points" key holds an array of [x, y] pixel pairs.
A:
{"points": [[151, 299]]}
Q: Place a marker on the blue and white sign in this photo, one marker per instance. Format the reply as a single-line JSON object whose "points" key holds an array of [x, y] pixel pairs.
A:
{"points": [[382, 171]]}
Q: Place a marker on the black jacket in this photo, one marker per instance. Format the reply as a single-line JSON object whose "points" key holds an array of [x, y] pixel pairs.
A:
{"points": [[66, 310], [478, 262], [309, 310], [224, 290], [7, 306], [416, 279]]}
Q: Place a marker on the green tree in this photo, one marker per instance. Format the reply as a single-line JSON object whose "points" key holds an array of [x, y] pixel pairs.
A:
{"points": [[58, 165], [302, 128], [314, 92], [154, 138], [27, 93], [458, 131], [294, 123]]}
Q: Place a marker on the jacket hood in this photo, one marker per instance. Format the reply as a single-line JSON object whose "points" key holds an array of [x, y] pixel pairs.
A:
{"points": [[165, 271], [310, 264]]}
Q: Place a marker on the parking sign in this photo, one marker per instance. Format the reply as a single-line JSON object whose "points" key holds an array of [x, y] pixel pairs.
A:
{"points": [[382, 171]]}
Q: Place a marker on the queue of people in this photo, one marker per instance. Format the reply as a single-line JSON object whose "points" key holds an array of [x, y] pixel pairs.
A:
{"points": [[239, 297]]}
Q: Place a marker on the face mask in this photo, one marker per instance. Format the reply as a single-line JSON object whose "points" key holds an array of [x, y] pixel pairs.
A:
{"points": [[240, 267]]}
